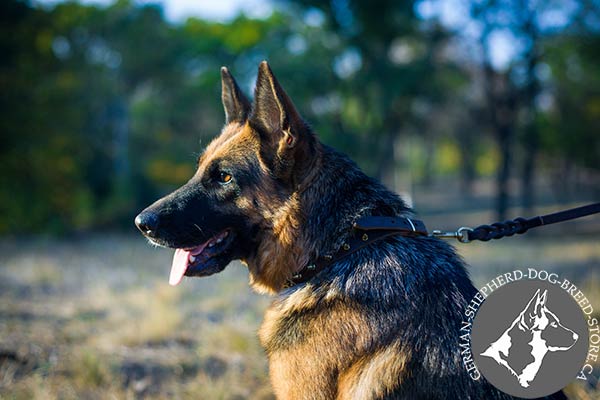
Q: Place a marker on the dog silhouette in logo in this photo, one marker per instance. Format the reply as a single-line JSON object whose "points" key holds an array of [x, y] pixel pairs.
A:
{"points": [[532, 335]]}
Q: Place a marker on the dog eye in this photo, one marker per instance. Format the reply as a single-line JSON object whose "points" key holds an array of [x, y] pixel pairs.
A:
{"points": [[225, 177], [554, 325]]}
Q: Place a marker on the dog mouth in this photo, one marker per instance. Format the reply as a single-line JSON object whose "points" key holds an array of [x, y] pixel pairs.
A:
{"points": [[200, 260]]}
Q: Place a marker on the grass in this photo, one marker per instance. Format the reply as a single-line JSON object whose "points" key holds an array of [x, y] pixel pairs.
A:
{"points": [[94, 318]]}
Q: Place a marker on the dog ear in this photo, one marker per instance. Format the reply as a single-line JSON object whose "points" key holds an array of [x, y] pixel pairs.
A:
{"points": [[236, 105], [534, 309], [285, 137], [540, 303], [529, 312]]}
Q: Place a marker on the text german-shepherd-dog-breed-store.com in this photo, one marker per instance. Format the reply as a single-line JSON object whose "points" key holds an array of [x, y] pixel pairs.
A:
{"points": [[381, 323]]}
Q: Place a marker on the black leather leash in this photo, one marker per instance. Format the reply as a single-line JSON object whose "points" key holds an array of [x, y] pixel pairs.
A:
{"points": [[519, 225], [367, 230]]}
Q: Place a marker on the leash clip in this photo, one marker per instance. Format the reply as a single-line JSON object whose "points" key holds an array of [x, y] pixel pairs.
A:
{"points": [[462, 234]]}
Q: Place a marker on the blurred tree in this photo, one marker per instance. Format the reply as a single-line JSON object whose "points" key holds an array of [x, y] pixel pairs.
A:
{"points": [[570, 124], [501, 101], [113, 99], [527, 25], [390, 75], [103, 107], [41, 184], [532, 25]]}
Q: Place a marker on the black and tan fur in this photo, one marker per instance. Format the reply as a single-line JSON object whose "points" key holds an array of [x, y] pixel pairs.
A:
{"points": [[382, 323]]}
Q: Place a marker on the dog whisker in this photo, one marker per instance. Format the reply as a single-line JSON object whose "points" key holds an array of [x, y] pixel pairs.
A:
{"points": [[154, 243], [200, 229]]}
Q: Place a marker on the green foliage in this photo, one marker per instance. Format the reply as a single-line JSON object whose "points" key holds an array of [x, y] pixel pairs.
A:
{"points": [[572, 131], [103, 109]]}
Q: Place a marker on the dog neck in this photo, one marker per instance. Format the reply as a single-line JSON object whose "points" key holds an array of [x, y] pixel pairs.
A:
{"points": [[538, 351], [334, 186]]}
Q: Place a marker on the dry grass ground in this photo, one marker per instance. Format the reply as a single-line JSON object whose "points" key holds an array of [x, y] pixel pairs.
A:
{"points": [[94, 318]]}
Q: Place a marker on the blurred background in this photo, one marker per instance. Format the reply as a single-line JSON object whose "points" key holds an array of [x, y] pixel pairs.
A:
{"points": [[473, 110]]}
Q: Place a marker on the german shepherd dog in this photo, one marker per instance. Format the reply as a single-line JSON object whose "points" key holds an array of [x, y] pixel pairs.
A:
{"points": [[382, 323], [543, 333]]}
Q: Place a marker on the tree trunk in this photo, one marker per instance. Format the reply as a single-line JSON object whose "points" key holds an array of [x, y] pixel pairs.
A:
{"points": [[501, 101], [387, 160], [528, 177], [530, 133], [504, 134], [466, 138], [429, 142]]}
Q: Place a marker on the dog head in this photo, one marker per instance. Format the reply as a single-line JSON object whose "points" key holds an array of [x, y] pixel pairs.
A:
{"points": [[240, 196], [537, 317]]}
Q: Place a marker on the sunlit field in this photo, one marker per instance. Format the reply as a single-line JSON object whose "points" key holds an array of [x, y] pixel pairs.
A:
{"points": [[93, 317]]}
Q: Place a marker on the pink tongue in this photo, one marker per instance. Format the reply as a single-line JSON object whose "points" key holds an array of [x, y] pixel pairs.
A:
{"points": [[180, 264]]}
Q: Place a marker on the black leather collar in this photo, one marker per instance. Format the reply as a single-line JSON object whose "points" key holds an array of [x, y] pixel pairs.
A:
{"points": [[365, 231]]}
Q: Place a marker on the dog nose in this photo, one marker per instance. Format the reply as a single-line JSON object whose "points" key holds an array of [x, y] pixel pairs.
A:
{"points": [[147, 222]]}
